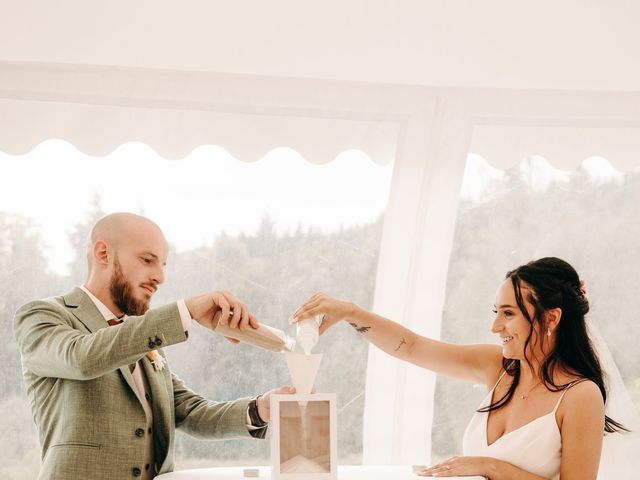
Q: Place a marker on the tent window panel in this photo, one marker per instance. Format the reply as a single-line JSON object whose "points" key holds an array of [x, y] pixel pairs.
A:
{"points": [[587, 216], [273, 232]]}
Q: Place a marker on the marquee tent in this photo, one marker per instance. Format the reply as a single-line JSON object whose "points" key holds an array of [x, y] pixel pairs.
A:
{"points": [[421, 83]]}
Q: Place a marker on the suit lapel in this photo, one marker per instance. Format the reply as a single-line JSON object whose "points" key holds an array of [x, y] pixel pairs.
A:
{"points": [[128, 376], [86, 311], [161, 405]]}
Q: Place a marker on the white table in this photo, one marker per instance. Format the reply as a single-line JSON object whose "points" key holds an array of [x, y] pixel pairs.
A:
{"points": [[345, 472]]}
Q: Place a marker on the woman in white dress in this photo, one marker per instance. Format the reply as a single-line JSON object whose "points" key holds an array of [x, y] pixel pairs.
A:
{"points": [[544, 414]]}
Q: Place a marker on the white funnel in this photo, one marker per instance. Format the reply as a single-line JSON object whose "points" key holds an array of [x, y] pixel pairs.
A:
{"points": [[303, 370]]}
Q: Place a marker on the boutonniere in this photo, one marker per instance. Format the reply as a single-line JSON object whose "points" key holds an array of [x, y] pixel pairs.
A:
{"points": [[156, 360]]}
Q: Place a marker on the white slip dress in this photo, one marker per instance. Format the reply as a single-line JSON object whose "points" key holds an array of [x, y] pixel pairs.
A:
{"points": [[535, 447]]}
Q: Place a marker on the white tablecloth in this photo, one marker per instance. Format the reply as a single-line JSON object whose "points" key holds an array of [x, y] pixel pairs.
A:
{"points": [[345, 472]]}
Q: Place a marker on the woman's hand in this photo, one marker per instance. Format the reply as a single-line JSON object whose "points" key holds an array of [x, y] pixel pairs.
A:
{"points": [[461, 467], [331, 310]]}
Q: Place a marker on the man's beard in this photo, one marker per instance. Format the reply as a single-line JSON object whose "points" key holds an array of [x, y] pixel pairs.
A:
{"points": [[122, 293]]}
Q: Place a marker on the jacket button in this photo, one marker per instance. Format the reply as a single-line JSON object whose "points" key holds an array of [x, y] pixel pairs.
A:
{"points": [[152, 344], [136, 472], [139, 432]]}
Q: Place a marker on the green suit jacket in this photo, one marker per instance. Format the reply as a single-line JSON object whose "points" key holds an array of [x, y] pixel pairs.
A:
{"points": [[83, 396]]}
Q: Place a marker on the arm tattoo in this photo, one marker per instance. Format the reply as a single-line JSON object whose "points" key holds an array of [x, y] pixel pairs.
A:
{"points": [[402, 342], [360, 329]]}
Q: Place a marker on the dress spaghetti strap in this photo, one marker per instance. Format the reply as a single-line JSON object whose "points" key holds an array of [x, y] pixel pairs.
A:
{"points": [[499, 378], [571, 384]]}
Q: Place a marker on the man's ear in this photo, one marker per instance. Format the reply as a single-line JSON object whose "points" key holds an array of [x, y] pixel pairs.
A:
{"points": [[101, 253], [552, 318]]}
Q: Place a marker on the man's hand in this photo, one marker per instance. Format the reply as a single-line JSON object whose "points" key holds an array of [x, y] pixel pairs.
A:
{"points": [[264, 401], [233, 312]]}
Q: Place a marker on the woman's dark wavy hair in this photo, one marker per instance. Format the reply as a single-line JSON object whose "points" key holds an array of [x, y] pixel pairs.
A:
{"points": [[553, 283]]}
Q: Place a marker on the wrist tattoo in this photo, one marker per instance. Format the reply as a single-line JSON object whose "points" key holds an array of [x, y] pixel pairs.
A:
{"points": [[402, 342], [360, 329]]}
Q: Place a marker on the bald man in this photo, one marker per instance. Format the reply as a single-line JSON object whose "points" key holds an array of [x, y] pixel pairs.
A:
{"points": [[104, 401]]}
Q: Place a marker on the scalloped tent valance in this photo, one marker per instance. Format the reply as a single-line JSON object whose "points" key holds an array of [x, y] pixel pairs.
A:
{"points": [[564, 147], [99, 108], [173, 133]]}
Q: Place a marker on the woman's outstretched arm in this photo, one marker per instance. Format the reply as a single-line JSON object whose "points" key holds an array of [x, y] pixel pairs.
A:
{"points": [[475, 363]]}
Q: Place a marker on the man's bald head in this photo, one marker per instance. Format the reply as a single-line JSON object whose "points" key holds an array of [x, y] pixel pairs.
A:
{"points": [[127, 255], [118, 229]]}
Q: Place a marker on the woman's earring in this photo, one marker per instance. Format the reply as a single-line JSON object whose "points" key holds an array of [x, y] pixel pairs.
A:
{"points": [[548, 332]]}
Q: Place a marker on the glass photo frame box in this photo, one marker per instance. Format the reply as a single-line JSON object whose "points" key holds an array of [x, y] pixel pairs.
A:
{"points": [[304, 437]]}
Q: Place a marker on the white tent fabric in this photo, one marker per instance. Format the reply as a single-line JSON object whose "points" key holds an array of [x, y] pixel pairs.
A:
{"points": [[573, 45], [99, 108], [427, 131], [420, 83]]}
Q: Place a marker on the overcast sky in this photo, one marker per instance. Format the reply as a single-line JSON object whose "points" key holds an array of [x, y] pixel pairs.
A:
{"points": [[208, 192], [192, 199]]}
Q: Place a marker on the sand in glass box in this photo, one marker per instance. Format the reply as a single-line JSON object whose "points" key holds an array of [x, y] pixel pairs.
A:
{"points": [[303, 437]]}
